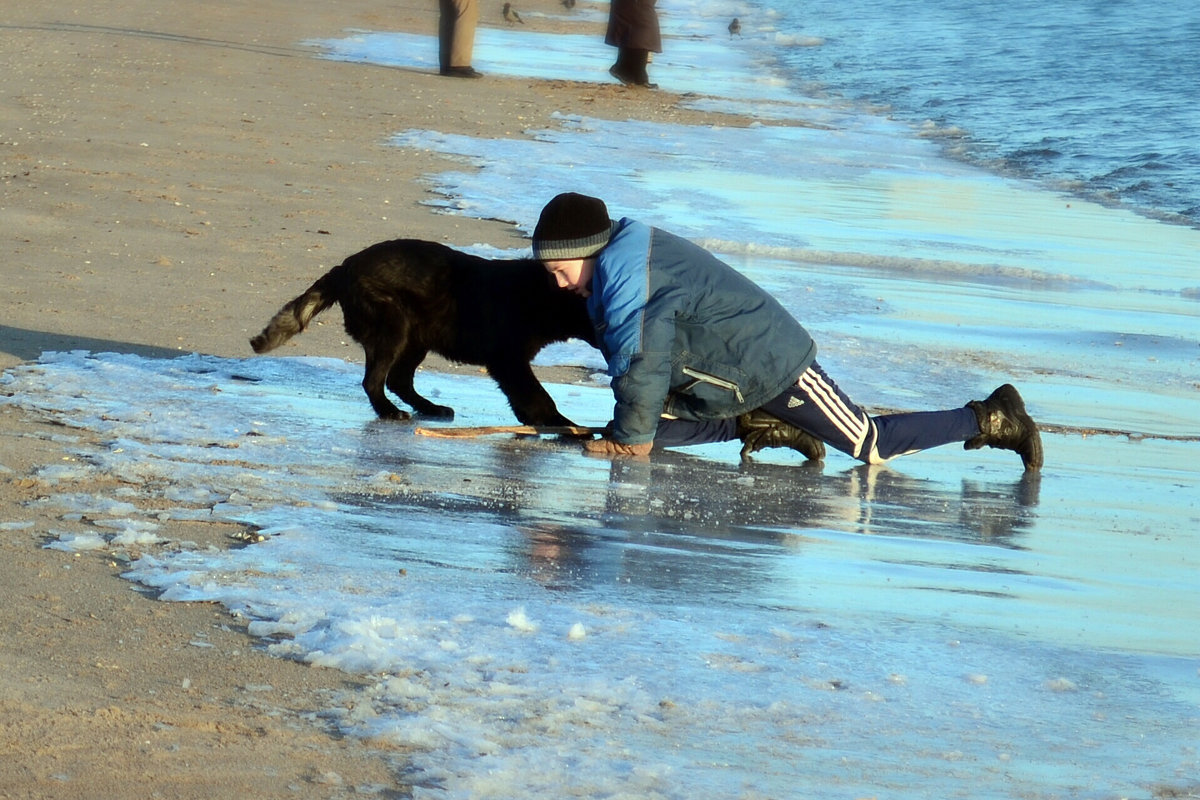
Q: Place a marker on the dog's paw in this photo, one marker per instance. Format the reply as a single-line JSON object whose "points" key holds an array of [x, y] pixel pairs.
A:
{"points": [[437, 412], [556, 421], [396, 416]]}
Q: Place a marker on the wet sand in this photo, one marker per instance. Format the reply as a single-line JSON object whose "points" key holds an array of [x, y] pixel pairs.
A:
{"points": [[169, 176]]}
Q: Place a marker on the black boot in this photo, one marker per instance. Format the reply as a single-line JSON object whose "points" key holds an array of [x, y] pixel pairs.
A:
{"points": [[630, 68], [1003, 424], [758, 430]]}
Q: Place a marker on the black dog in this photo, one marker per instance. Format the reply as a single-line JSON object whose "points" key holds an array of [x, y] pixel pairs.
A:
{"points": [[404, 298]]}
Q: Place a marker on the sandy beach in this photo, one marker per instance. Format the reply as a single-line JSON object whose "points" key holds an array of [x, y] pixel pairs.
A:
{"points": [[169, 176]]}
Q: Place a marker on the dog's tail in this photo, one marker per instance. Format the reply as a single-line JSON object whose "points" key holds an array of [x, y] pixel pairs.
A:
{"points": [[294, 317]]}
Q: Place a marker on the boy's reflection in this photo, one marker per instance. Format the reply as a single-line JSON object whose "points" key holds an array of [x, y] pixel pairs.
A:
{"points": [[682, 522], [677, 524], [675, 489]]}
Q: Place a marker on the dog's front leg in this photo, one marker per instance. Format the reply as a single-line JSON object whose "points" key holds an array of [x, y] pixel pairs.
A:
{"points": [[529, 400], [400, 381]]}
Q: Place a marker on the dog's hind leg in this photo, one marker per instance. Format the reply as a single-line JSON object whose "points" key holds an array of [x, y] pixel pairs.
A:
{"points": [[529, 400], [400, 381], [379, 363]]}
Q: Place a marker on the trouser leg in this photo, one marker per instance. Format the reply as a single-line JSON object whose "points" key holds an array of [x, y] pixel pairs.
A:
{"points": [[682, 432], [817, 405], [447, 17], [638, 59], [456, 32]]}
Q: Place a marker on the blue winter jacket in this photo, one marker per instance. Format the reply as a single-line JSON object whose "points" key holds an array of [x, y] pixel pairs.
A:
{"points": [[685, 334]]}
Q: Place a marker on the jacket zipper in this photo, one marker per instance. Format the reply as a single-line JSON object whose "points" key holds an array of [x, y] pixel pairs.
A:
{"points": [[715, 381]]}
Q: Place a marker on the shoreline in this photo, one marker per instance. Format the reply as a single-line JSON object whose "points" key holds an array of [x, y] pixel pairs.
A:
{"points": [[169, 179]]}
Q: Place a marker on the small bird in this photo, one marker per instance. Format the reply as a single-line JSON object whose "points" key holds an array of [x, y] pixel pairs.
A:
{"points": [[511, 15], [568, 3], [735, 28]]}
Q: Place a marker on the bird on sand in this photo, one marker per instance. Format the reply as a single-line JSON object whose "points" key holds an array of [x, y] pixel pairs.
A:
{"points": [[511, 15], [568, 3], [735, 28]]}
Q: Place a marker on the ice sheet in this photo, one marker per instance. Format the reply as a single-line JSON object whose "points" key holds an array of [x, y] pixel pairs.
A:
{"points": [[543, 622]]}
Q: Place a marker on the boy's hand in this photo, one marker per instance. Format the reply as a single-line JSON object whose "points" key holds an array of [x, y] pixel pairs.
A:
{"points": [[607, 447]]}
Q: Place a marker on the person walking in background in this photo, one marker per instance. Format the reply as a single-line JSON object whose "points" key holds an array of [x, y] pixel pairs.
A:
{"points": [[633, 30], [698, 353], [456, 37]]}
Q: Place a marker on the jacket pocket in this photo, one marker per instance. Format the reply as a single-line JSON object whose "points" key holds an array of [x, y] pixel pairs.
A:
{"points": [[703, 377]]}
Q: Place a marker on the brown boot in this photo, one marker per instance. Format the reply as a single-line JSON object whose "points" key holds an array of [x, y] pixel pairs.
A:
{"points": [[1003, 424], [758, 430]]}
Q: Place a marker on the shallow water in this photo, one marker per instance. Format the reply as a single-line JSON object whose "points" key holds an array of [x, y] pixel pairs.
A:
{"points": [[685, 627], [1093, 95]]}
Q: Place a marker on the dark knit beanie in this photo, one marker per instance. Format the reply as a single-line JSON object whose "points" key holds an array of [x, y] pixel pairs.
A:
{"points": [[571, 226]]}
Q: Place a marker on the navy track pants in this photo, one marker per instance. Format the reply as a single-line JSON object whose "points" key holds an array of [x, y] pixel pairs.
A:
{"points": [[816, 404]]}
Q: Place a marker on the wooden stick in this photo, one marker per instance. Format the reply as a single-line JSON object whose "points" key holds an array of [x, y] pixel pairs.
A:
{"points": [[490, 430]]}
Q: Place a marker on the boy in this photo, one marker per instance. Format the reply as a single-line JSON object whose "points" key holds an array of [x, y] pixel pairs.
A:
{"points": [[698, 353]]}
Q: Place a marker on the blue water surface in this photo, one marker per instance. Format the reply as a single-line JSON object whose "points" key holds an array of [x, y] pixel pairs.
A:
{"points": [[1096, 95]]}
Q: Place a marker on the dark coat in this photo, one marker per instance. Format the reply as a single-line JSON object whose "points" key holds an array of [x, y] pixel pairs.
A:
{"points": [[633, 24], [687, 334]]}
